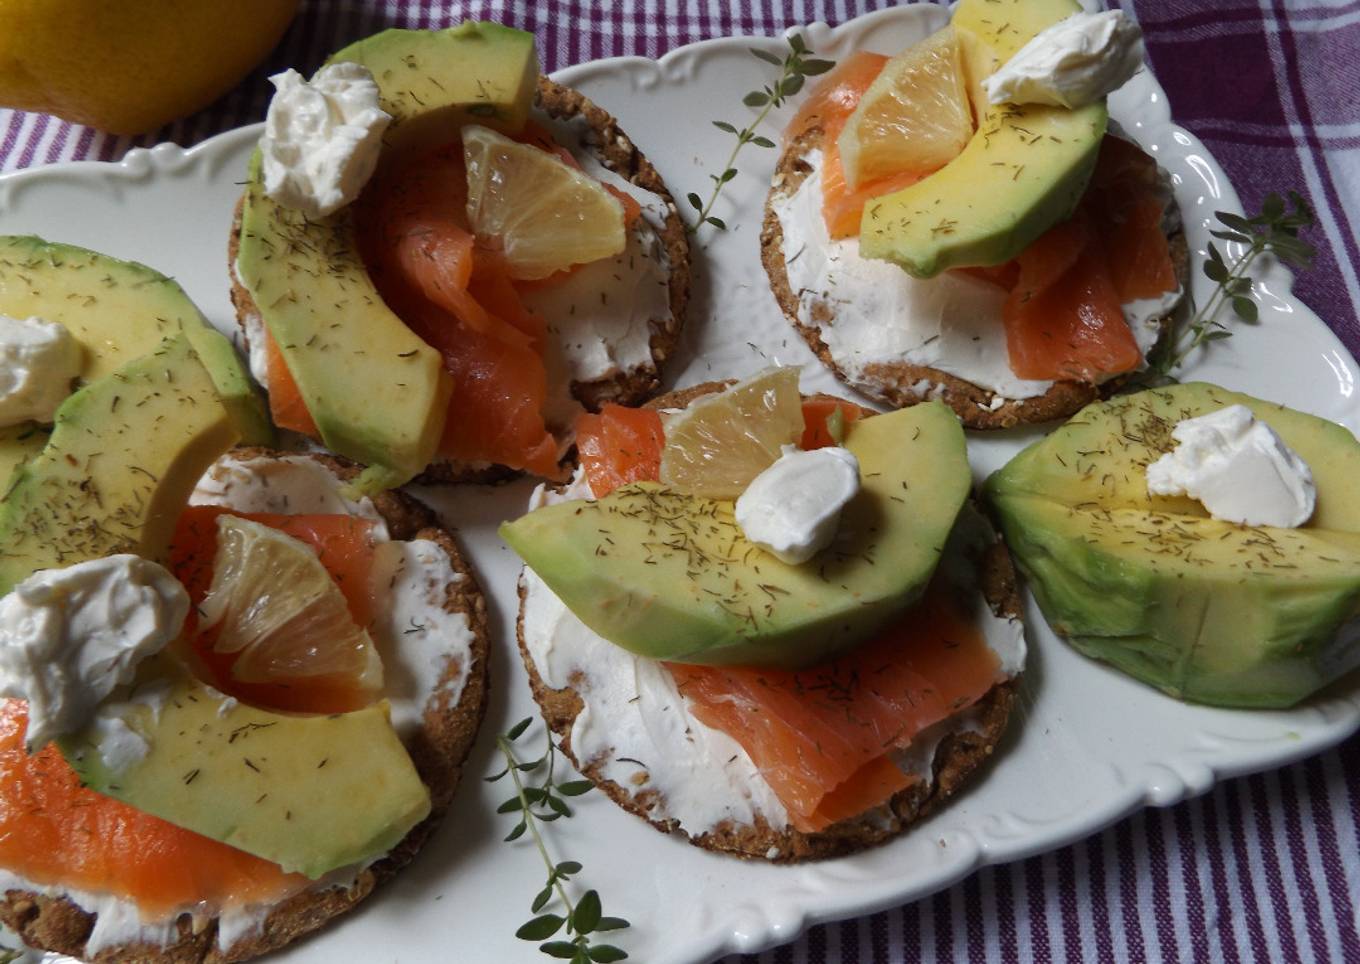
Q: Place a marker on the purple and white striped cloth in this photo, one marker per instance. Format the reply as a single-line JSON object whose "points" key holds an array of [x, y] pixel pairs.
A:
{"points": [[1264, 868]]}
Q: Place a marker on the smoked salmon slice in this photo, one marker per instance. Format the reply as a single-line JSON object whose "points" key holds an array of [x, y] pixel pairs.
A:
{"points": [[821, 737], [344, 545], [458, 299], [618, 446], [55, 832]]}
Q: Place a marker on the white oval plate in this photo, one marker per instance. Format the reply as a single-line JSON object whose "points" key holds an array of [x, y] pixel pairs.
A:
{"points": [[1087, 745]]}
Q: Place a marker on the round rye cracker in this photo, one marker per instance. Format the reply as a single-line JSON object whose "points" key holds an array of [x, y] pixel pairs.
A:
{"points": [[893, 383], [617, 152], [439, 749], [956, 758]]}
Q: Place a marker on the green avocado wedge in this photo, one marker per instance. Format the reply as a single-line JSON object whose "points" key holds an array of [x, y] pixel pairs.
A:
{"points": [[1208, 611], [124, 454], [310, 793], [118, 311], [1023, 171], [377, 393], [670, 576]]}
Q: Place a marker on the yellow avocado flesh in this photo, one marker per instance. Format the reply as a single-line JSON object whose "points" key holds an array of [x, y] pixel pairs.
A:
{"points": [[117, 470], [1207, 610], [118, 311], [310, 793], [1023, 171], [376, 391], [671, 576]]}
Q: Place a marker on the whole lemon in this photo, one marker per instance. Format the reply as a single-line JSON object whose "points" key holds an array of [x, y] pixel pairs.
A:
{"points": [[129, 66]]}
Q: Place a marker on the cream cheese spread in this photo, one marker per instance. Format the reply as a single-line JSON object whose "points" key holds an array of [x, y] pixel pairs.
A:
{"points": [[322, 137], [1239, 468], [791, 509], [70, 636], [870, 312], [1075, 62], [38, 360], [637, 726]]}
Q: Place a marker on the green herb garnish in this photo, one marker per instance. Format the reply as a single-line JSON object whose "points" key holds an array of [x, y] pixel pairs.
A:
{"points": [[1274, 231], [545, 803], [794, 69]]}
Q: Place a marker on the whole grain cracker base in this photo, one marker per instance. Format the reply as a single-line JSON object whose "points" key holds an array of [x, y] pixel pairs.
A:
{"points": [[957, 757], [439, 750], [892, 383], [616, 151]]}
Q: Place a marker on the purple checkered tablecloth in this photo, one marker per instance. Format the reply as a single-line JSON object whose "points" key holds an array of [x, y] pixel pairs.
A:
{"points": [[1264, 868]]}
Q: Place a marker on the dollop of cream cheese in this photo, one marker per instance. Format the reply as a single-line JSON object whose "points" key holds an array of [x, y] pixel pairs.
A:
{"points": [[870, 312], [38, 360], [791, 509], [1075, 62], [69, 636], [322, 137], [1238, 468]]}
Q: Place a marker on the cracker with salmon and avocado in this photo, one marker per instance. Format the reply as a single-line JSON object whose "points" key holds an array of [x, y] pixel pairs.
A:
{"points": [[437, 722], [1014, 267], [675, 704], [497, 350]]}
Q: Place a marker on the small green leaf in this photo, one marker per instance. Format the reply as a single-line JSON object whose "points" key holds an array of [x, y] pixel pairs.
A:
{"points": [[517, 832], [724, 126], [1217, 336], [518, 729], [558, 806], [718, 223], [611, 924], [813, 67], [529, 767], [587, 914], [1213, 253], [574, 788], [541, 899], [766, 56], [727, 175], [759, 141], [582, 955], [756, 98], [606, 954], [541, 927], [1234, 221], [513, 805], [1244, 308], [1238, 286], [562, 950], [493, 779], [1273, 206], [567, 867], [796, 43], [791, 85], [550, 817], [695, 201], [1216, 271]]}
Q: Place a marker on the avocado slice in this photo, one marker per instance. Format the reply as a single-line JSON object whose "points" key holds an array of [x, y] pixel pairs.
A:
{"points": [[124, 454], [118, 311], [670, 576], [1206, 610], [376, 391], [1023, 171], [310, 793]]}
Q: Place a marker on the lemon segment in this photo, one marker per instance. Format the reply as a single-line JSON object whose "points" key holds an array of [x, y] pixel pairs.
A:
{"points": [[273, 602], [716, 446], [543, 214], [915, 116]]}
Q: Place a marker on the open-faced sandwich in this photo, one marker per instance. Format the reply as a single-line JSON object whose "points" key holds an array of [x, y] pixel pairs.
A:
{"points": [[1204, 541], [441, 257], [774, 625], [221, 724], [958, 222]]}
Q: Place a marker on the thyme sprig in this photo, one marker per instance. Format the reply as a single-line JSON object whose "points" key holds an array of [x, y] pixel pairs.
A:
{"points": [[794, 69], [1274, 231], [544, 803]]}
